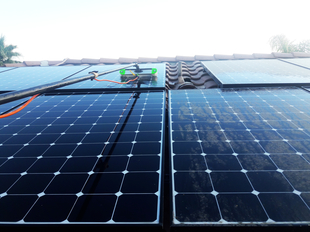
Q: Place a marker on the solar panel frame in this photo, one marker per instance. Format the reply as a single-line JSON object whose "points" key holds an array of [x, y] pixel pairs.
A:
{"points": [[256, 73], [187, 102], [148, 108]]}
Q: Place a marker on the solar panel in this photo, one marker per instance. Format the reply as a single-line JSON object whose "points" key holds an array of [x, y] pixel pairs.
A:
{"points": [[4, 69], [240, 156], [247, 73], [159, 82], [10, 106], [26, 77], [303, 62], [87, 158]]}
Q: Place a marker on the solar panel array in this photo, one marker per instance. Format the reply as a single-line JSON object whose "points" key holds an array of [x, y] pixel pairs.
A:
{"points": [[92, 153], [83, 158], [240, 156], [246, 73]]}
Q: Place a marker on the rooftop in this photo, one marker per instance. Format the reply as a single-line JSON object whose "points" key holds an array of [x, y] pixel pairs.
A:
{"points": [[208, 143]]}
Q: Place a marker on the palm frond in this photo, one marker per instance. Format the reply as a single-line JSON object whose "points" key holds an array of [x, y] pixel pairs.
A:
{"points": [[7, 52], [280, 43]]}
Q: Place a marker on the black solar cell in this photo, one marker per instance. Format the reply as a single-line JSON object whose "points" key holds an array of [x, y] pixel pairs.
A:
{"points": [[245, 163], [83, 158]]}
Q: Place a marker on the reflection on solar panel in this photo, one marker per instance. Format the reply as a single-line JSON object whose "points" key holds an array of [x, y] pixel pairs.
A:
{"points": [[26, 77], [304, 62], [240, 156], [115, 76], [83, 158], [237, 73]]}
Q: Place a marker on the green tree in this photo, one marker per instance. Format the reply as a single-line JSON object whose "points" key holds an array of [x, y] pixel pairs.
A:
{"points": [[280, 43], [7, 52]]}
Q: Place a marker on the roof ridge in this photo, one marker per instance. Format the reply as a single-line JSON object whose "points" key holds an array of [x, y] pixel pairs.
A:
{"points": [[159, 59]]}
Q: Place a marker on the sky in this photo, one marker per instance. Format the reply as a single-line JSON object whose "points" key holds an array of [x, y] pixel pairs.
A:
{"points": [[76, 29]]}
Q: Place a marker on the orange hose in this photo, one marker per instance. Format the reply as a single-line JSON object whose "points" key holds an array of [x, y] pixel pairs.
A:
{"points": [[121, 83], [20, 108]]}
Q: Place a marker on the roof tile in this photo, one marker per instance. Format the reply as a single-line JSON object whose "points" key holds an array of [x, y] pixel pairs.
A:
{"points": [[201, 57], [223, 57], [108, 60], [146, 59], [301, 54], [73, 61], [90, 61], [263, 56], [127, 60], [243, 56], [185, 58], [54, 62], [166, 59], [282, 55], [32, 63], [15, 65]]}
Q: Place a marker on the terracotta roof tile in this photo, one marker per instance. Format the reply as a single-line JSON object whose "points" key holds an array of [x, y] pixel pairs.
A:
{"points": [[166, 59], [127, 60], [108, 60], [301, 54], [32, 63], [210, 84], [146, 59], [202, 80], [73, 61], [90, 61], [243, 56], [15, 65], [263, 56], [192, 75], [200, 57], [185, 58], [54, 62], [223, 57], [181, 59], [282, 55]]}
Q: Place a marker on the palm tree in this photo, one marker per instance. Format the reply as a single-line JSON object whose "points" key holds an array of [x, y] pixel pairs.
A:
{"points": [[282, 44], [7, 52]]}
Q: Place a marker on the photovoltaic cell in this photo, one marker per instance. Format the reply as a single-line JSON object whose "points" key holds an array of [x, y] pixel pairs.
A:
{"points": [[247, 73], [83, 159], [159, 82], [304, 62], [27, 77], [240, 156]]}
